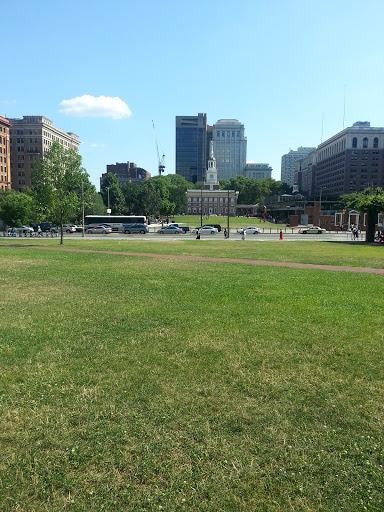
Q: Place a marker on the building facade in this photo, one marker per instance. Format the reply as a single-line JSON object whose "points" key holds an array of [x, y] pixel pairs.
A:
{"points": [[257, 171], [192, 146], [210, 200], [305, 173], [5, 154], [351, 161], [30, 138], [126, 172], [230, 147], [288, 164]]}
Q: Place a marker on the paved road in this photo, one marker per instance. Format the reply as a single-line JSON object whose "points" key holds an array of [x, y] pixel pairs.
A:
{"points": [[262, 237]]}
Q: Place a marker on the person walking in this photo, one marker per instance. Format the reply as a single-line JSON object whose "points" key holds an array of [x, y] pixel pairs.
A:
{"points": [[225, 233], [198, 235], [281, 234]]}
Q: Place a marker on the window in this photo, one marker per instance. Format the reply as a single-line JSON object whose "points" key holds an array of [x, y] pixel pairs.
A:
{"points": [[365, 142], [375, 142], [354, 142]]}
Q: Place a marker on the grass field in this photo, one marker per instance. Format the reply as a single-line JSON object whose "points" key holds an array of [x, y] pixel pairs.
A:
{"points": [[325, 253], [145, 385]]}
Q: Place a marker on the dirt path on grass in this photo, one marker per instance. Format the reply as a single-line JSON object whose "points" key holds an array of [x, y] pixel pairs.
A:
{"points": [[331, 268]]}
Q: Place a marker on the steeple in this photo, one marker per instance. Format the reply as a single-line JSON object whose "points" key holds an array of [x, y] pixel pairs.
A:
{"points": [[211, 181]]}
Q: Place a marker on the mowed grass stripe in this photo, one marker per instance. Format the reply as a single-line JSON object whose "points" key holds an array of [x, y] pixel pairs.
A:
{"points": [[143, 384], [334, 268]]}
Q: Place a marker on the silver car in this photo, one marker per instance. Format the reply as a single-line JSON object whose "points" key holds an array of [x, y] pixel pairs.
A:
{"points": [[170, 230], [99, 229]]}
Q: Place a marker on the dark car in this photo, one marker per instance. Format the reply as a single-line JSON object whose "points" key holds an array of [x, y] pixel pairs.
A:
{"points": [[135, 228], [217, 226]]}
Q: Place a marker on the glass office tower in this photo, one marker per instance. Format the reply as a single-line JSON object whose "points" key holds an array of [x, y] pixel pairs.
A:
{"points": [[192, 146]]}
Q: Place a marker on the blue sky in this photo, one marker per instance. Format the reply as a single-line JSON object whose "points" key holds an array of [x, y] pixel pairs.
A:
{"points": [[280, 67]]}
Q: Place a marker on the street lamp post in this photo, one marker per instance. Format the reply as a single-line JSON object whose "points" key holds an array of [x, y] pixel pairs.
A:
{"points": [[228, 216], [321, 189], [201, 206], [108, 208]]}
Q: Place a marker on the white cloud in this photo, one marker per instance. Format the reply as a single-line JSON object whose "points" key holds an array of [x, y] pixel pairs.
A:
{"points": [[92, 106], [96, 145]]}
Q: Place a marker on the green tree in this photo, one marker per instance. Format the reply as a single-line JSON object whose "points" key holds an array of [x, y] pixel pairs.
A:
{"points": [[370, 202], [131, 193], [15, 208], [151, 200], [111, 187], [56, 182], [93, 202]]}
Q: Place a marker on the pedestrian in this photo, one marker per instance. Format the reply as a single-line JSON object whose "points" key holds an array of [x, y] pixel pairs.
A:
{"points": [[198, 235], [243, 234], [38, 231], [225, 233], [281, 234]]}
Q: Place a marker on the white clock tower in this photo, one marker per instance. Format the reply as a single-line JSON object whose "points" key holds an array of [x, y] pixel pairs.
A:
{"points": [[211, 181]]}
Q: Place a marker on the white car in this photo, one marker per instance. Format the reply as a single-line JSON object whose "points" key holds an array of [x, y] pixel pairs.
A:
{"points": [[311, 230], [69, 228], [250, 230], [206, 230]]}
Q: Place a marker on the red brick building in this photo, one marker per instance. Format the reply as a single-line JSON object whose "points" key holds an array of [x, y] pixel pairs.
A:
{"points": [[5, 154]]}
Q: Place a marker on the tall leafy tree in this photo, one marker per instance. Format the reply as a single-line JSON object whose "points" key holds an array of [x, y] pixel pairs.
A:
{"points": [[15, 208], [151, 200], [370, 202], [56, 182], [131, 192], [111, 187]]}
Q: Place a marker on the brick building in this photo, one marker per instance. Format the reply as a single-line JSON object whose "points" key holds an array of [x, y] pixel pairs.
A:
{"points": [[5, 154], [126, 172]]}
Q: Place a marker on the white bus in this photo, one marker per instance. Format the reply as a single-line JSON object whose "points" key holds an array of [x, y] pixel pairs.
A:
{"points": [[116, 222]]}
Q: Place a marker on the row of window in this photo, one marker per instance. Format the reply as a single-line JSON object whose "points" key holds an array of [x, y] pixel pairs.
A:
{"points": [[365, 142], [23, 132], [228, 134]]}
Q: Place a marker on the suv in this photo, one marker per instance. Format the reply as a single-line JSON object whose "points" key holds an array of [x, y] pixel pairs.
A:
{"points": [[135, 228]]}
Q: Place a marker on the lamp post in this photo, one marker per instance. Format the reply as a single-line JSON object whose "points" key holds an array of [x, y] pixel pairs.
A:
{"points": [[82, 197], [321, 189], [201, 206], [228, 216], [108, 208]]}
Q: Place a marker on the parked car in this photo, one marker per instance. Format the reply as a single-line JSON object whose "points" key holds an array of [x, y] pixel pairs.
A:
{"points": [[135, 228], [184, 228], [206, 230], [99, 229], [250, 230], [217, 226], [311, 230], [78, 229], [69, 228], [170, 230]]}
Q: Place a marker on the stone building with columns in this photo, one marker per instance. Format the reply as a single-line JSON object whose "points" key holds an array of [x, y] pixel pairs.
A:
{"points": [[210, 200]]}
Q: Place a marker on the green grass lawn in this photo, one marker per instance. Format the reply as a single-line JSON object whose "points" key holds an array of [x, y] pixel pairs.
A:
{"points": [[324, 253], [145, 385]]}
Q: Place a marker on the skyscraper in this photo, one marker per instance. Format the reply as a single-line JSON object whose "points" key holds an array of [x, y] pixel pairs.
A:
{"points": [[192, 146], [288, 164], [230, 148]]}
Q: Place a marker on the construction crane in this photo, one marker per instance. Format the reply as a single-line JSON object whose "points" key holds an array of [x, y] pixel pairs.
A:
{"points": [[162, 159]]}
